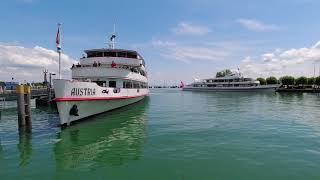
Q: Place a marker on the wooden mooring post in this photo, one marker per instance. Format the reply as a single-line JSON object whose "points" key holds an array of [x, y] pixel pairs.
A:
{"points": [[23, 104]]}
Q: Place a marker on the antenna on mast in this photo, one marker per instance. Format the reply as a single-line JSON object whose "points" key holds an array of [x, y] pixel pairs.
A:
{"points": [[113, 37]]}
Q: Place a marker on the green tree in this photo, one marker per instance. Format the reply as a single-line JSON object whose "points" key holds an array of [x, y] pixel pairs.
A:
{"points": [[272, 80], [311, 81], [302, 81], [219, 74], [317, 81], [262, 81], [223, 73], [287, 80]]}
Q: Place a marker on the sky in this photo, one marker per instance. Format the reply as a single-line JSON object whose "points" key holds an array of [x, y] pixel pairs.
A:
{"points": [[180, 40]]}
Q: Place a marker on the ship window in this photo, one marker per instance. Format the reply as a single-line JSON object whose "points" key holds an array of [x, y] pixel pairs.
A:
{"points": [[135, 85], [128, 85], [131, 55], [113, 84], [94, 54], [100, 83], [99, 54], [110, 54], [121, 54]]}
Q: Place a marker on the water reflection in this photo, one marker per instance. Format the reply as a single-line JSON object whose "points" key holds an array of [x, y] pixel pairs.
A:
{"points": [[25, 146], [0, 150], [291, 96], [112, 138]]}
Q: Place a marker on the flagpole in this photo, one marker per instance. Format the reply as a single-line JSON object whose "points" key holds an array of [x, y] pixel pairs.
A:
{"points": [[59, 64], [58, 43]]}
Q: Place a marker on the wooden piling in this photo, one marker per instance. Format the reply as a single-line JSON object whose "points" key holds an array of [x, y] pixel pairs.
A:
{"points": [[23, 105], [20, 106], [27, 105]]}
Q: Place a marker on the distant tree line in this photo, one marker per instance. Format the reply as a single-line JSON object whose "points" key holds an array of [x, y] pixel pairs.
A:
{"points": [[290, 81]]}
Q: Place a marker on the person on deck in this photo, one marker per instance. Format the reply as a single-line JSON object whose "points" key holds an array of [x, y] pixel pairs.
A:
{"points": [[113, 64]]}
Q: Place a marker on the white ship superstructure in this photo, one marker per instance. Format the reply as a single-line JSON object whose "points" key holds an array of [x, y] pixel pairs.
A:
{"points": [[232, 82], [104, 79]]}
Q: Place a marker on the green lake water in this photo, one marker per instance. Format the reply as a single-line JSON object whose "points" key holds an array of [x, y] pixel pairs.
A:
{"points": [[172, 135]]}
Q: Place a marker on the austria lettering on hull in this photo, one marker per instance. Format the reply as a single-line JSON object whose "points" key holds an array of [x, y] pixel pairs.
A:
{"points": [[83, 91]]}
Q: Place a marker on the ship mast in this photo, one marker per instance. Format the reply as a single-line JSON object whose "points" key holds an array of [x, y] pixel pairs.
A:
{"points": [[113, 37]]}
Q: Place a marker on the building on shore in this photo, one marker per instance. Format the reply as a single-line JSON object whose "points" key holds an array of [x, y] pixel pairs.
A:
{"points": [[8, 85]]}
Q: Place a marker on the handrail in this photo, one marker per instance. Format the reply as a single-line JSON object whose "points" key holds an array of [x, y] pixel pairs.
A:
{"points": [[104, 65]]}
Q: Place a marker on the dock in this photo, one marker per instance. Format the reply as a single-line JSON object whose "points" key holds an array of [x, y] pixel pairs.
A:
{"points": [[11, 95]]}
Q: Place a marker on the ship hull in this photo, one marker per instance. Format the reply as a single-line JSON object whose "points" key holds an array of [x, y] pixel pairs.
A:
{"points": [[75, 104]]}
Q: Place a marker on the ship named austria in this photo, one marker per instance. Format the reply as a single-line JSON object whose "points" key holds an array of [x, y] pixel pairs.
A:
{"points": [[104, 79], [231, 82]]}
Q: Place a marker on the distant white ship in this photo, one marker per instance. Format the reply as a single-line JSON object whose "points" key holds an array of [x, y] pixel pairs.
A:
{"points": [[232, 82], [104, 79]]}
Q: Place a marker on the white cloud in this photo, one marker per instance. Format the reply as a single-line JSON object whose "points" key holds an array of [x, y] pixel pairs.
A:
{"points": [[201, 59], [184, 28], [295, 62], [247, 60], [27, 63], [256, 25], [269, 57], [185, 53]]}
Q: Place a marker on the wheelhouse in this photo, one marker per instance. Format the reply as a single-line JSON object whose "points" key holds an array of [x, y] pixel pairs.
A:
{"points": [[116, 53]]}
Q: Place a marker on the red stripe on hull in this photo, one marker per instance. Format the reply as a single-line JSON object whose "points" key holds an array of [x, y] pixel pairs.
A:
{"points": [[96, 98]]}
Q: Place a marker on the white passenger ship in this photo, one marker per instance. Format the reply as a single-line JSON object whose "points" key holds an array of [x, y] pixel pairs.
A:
{"points": [[232, 82], [103, 80]]}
